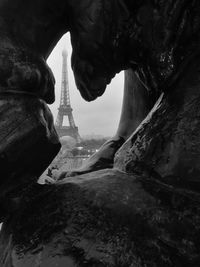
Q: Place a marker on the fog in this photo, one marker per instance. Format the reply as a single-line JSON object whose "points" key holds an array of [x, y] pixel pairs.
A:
{"points": [[98, 117]]}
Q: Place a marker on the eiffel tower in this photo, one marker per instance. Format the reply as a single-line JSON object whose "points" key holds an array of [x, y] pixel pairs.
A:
{"points": [[65, 108]]}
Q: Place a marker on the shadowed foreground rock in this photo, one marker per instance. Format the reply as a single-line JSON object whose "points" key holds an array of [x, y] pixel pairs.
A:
{"points": [[106, 218], [146, 211]]}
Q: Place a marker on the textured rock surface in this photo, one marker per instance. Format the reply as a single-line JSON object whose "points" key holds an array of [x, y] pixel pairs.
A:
{"points": [[166, 144], [149, 217], [28, 143], [105, 218]]}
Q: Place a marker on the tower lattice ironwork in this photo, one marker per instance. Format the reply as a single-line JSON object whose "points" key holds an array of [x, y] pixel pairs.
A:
{"points": [[65, 108]]}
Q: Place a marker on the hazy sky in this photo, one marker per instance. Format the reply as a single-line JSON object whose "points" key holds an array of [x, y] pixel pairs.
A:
{"points": [[100, 116]]}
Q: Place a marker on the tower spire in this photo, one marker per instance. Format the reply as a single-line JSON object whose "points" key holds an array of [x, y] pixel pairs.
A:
{"points": [[65, 108], [65, 98]]}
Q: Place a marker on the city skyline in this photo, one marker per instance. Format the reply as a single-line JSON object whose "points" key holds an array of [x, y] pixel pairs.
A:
{"points": [[99, 117]]}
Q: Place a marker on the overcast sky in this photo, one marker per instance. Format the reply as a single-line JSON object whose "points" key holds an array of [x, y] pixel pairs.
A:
{"points": [[98, 117]]}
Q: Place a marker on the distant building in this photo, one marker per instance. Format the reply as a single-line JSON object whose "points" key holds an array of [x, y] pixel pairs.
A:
{"points": [[93, 136], [65, 108]]}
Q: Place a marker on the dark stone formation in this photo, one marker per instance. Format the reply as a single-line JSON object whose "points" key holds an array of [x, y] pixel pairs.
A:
{"points": [[105, 218], [28, 143], [145, 211], [166, 144], [157, 39]]}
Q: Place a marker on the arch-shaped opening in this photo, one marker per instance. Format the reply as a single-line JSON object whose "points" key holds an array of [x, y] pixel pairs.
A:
{"points": [[99, 117]]}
